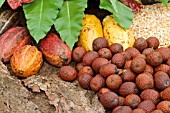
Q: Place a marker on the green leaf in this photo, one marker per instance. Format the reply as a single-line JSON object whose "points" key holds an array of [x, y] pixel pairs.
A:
{"points": [[1, 3], [69, 20], [123, 15], [165, 2], [40, 16]]}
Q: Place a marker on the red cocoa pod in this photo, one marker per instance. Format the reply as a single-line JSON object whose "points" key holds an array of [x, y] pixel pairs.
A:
{"points": [[26, 61], [12, 40], [55, 51]]}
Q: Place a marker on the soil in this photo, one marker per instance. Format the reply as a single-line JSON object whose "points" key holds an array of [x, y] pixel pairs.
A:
{"points": [[44, 92]]}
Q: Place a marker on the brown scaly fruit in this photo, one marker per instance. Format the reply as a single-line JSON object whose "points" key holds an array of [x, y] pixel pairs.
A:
{"points": [[103, 90], [153, 42], [79, 66], [127, 56], [164, 106], [89, 57], [108, 69], [165, 52], [118, 59], [26, 61], [154, 59], [168, 62], [85, 69], [128, 76], [138, 65], [105, 53], [165, 94], [98, 62], [116, 48], [55, 51], [109, 100], [157, 111], [84, 80], [150, 94], [12, 40], [144, 81], [97, 83], [149, 69], [100, 43], [122, 109], [147, 51], [147, 105], [140, 44], [127, 64], [113, 81], [132, 51], [128, 88], [67, 73], [121, 101], [78, 54], [132, 100], [161, 80], [137, 110], [162, 67]]}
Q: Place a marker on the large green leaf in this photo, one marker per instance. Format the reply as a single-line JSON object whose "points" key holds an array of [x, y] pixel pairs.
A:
{"points": [[40, 16], [123, 15], [1, 3], [69, 20], [165, 2]]}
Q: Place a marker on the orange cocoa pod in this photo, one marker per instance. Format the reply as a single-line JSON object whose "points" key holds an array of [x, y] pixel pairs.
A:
{"points": [[12, 40], [55, 51], [26, 61]]}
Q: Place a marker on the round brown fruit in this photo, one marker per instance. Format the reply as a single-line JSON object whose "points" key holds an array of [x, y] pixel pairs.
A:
{"points": [[162, 67], [165, 52], [127, 56], [89, 57], [105, 53], [97, 83], [144, 81], [149, 69], [164, 106], [165, 94], [128, 88], [122, 109], [84, 80], [103, 90], [147, 51], [138, 65], [128, 76], [99, 43], [97, 63], [79, 66], [132, 100], [140, 56], [147, 105], [153, 42], [118, 59], [109, 100], [157, 111], [162, 80], [116, 48], [150, 94], [154, 59], [168, 62], [108, 69], [140, 44], [132, 51], [121, 101], [137, 110], [78, 54], [127, 64], [85, 69], [67, 73], [113, 81]]}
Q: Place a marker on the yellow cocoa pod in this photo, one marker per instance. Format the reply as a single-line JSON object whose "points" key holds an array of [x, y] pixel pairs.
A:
{"points": [[91, 29], [116, 34]]}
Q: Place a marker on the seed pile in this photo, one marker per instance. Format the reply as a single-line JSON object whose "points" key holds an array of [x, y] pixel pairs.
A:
{"points": [[135, 80]]}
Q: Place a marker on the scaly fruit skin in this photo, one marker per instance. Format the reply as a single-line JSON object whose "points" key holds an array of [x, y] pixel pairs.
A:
{"points": [[12, 40], [116, 34], [91, 30], [55, 51], [26, 61]]}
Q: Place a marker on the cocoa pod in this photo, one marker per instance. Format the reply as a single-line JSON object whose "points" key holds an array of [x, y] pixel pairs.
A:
{"points": [[26, 61], [8, 19], [55, 51], [12, 40]]}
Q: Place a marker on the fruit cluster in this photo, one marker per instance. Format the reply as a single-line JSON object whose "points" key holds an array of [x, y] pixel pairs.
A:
{"points": [[134, 80]]}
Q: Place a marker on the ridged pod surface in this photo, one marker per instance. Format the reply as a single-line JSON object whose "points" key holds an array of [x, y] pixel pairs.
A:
{"points": [[116, 34], [26, 61], [12, 40], [91, 30], [55, 51]]}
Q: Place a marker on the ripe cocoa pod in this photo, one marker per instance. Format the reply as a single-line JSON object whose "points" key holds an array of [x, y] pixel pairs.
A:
{"points": [[26, 61], [55, 51], [8, 19], [12, 40]]}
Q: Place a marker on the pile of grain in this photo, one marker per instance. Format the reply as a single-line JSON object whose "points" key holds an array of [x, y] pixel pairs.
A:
{"points": [[153, 20]]}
